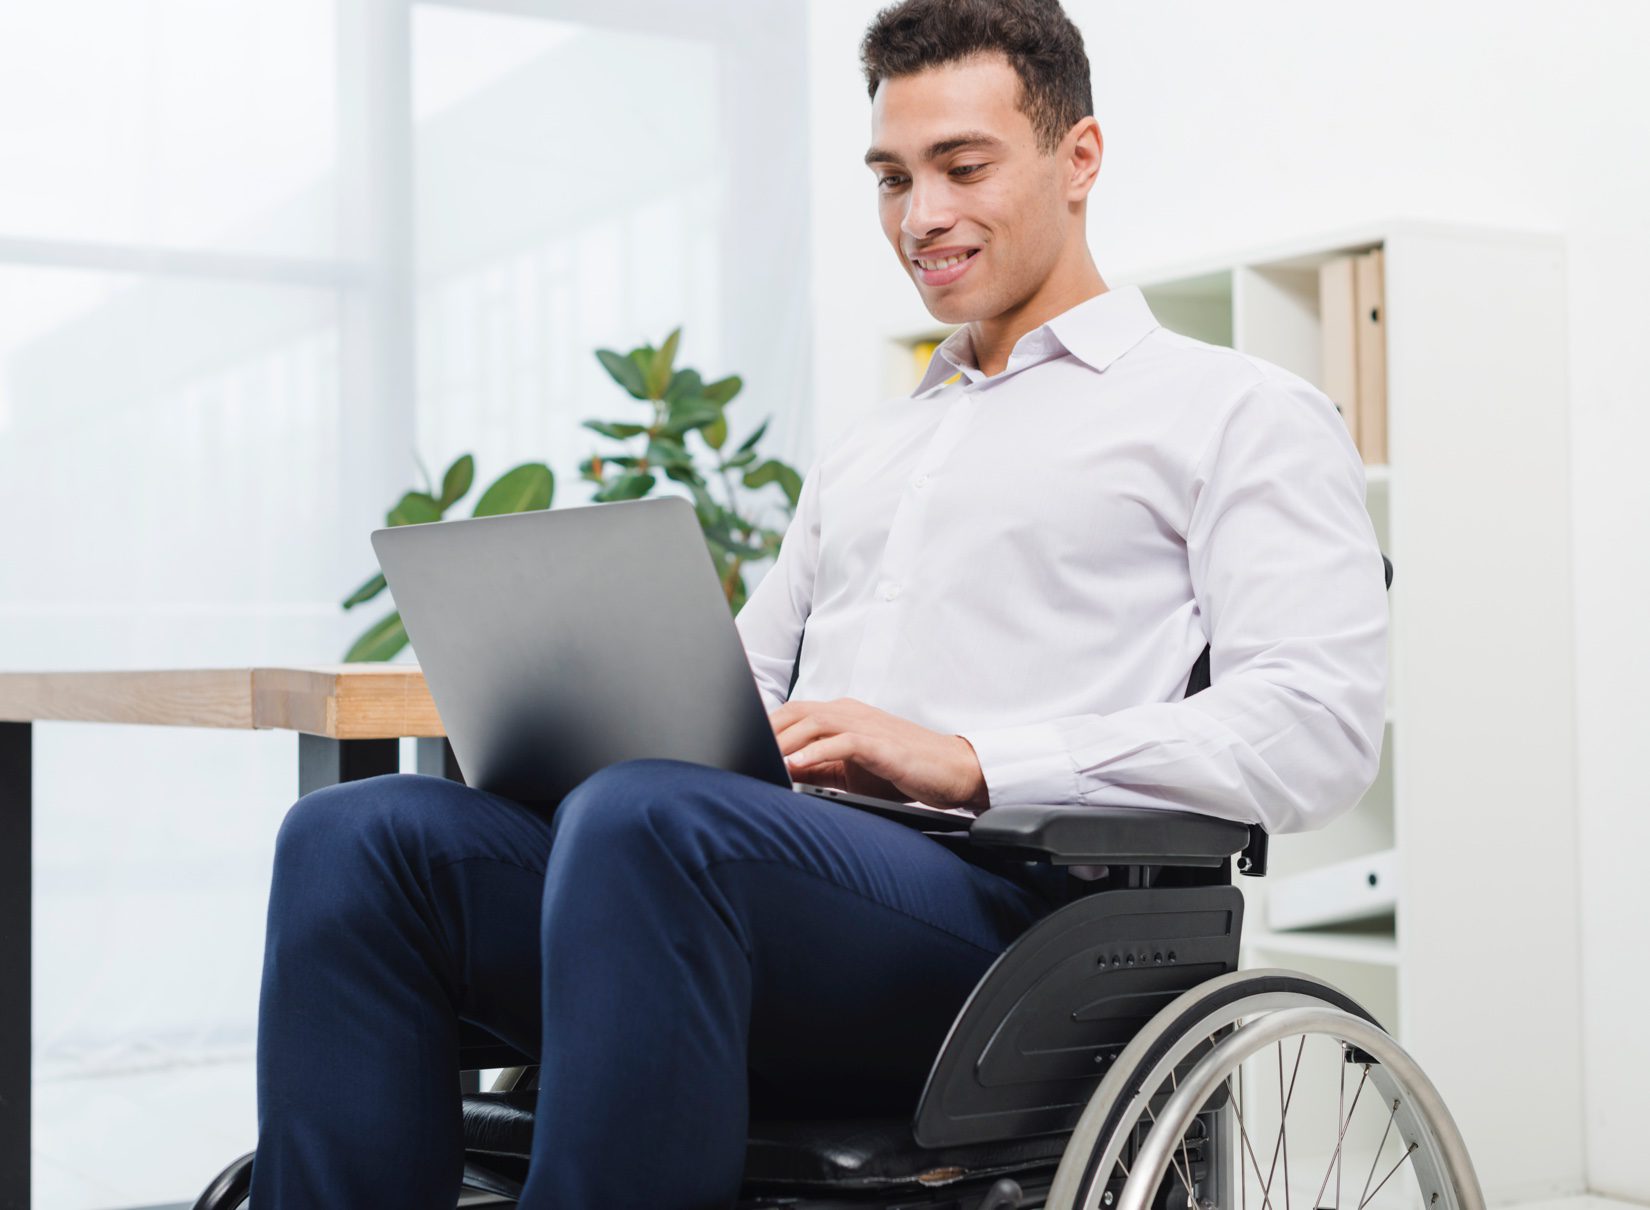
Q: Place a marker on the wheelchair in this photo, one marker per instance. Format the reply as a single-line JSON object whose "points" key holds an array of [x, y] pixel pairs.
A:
{"points": [[1112, 1058]]}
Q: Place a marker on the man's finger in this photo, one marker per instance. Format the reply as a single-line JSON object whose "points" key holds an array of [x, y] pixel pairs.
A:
{"points": [[790, 711], [800, 733], [841, 746]]}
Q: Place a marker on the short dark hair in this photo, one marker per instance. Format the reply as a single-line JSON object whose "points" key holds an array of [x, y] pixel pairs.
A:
{"points": [[1041, 43]]}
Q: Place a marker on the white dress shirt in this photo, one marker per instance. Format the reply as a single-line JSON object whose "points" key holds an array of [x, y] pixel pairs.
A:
{"points": [[1034, 561]]}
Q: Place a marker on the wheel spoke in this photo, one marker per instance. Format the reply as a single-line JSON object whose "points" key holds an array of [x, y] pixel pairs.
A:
{"points": [[1174, 1083], [1336, 1160], [1243, 1133], [1408, 1151], [1283, 1119], [1379, 1147], [1184, 1174], [1340, 1155]]}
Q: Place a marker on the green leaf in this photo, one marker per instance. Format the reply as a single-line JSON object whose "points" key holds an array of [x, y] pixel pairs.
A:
{"points": [[774, 471], [617, 431], [366, 592], [660, 367], [712, 517], [715, 433], [523, 489], [624, 371], [642, 359], [460, 475], [415, 508], [723, 389], [684, 384], [683, 474], [791, 481], [750, 442], [690, 414], [667, 451], [382, 641], [744, 458], [631, 486]]}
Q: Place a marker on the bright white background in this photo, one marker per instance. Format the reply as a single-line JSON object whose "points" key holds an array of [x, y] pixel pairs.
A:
{"points": [[236, 296], [254, 259]]}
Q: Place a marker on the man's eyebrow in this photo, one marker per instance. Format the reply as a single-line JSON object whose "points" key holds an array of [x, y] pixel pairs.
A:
{"points": [[957, 142]]}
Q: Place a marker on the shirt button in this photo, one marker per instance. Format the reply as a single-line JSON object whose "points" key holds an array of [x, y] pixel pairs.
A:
{"points": [[888, 591], [920, 481]]}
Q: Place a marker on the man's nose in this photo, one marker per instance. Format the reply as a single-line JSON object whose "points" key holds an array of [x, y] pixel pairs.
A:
{"points": [[927, 212]]}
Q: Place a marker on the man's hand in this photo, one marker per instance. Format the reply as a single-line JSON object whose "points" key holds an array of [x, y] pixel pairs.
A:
{"points": [[848, 745]]}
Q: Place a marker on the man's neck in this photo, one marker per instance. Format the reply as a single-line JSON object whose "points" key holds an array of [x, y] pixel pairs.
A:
{"points": [[994, 339]]}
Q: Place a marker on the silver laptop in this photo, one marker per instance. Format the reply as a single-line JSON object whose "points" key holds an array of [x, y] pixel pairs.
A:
{"points": [[559, 642]]}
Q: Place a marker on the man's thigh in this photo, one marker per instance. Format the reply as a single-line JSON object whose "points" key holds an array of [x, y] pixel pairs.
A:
{"points": [[461, 869], [863, 936]]}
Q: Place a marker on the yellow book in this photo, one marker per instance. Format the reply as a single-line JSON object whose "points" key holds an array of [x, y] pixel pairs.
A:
{"points": [[922, 352], [1338, 333], [1371, 290]]}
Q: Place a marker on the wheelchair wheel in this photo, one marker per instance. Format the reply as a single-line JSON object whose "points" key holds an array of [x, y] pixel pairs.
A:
{"points": [[1268, 1085]]}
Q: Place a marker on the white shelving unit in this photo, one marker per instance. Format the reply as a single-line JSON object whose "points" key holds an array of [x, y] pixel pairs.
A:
{"points": [[1477, 973]]}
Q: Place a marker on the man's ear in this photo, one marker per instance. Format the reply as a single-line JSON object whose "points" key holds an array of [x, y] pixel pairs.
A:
{"points": [[1081, 150]]}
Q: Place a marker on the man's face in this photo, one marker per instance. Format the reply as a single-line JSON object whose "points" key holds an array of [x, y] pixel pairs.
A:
{"points": [[960, 175]]}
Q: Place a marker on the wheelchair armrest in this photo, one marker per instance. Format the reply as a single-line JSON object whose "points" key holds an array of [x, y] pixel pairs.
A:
{"points": [[1067, 835]]}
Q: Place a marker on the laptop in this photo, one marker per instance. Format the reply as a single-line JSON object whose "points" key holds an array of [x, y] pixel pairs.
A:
{"points": [[558, 642]]}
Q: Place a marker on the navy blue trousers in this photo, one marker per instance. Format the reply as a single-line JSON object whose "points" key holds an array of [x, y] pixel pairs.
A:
{"points": [[681, 948]]}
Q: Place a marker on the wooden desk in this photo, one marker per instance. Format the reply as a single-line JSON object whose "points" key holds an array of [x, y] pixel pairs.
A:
{"points": [[350, 719]]}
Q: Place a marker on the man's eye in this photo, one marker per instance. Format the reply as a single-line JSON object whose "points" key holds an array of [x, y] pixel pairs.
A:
{"points": [[966, 170], [890, 182]]}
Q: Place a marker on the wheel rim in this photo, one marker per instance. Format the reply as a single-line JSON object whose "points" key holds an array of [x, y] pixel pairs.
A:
{"points": [[1145, 1065], [1424, 1138]]}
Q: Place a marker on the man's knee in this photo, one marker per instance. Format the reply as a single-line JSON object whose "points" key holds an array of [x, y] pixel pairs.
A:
{"points": [[661, 804], [362, 821]]}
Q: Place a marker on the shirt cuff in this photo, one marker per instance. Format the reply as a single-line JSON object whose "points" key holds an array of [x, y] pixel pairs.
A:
{"points": [[1025, 765]]}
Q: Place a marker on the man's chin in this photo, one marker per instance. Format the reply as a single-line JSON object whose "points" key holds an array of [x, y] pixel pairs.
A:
{"points": [[949, 306]]}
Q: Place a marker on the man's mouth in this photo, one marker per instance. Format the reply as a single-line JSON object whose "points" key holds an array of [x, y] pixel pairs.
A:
{"points": [[942, 266]]}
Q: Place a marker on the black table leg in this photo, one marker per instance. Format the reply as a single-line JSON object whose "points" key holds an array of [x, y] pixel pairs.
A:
{"points": [[16, 981], [435, 758], [325, 762]]}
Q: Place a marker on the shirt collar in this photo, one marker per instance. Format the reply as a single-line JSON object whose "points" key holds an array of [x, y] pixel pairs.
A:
{"points": [[1096, 332]]}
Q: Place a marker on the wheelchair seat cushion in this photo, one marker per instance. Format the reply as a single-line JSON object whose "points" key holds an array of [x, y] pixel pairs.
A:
{"points": [[875, 1153], [798, 1156]]}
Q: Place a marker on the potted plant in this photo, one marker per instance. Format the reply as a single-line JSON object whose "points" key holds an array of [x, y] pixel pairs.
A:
{"points": [[737, 528]]}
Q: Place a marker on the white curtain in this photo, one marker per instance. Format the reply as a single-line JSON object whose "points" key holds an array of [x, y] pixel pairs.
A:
{"points": [[240, 297]]}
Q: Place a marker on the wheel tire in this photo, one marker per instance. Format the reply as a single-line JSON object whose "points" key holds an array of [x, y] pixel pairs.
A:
{"points": [[229, 1189], [1175, 1039]]}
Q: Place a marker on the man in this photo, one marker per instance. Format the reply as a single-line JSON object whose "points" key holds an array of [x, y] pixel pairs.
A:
{"points": [[1005, 582]]}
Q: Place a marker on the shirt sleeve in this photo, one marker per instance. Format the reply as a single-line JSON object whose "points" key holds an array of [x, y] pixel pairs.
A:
{"points": [[1287, 574], [771, 620]]}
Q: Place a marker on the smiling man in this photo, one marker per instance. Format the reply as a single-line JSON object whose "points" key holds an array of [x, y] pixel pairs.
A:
{"points": [[1004, 582]]}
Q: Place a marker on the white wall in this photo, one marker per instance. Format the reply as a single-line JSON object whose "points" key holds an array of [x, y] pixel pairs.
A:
{"points": [[1235, 126]]}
